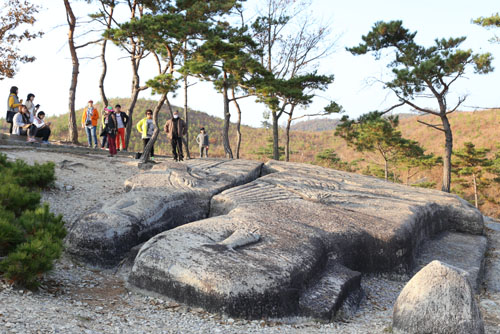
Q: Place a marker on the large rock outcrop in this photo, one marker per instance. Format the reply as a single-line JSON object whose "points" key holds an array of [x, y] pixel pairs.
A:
{"points": [[299, 238], [169, 195], [440, 300]]}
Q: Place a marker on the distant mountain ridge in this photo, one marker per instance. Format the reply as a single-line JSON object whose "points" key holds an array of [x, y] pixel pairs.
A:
{"points": [[315, 125]]}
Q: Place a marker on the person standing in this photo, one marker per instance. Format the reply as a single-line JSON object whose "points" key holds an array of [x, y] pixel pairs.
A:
{"points": [[32, 108], [110, 129], [42, 128], [13, 104], [146, 128], [104, 141], [175, 129], [202, 141], [89, 122], [121, 120]]}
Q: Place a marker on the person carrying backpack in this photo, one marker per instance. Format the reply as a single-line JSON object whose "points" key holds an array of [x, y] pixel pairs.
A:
{"points": [[90, 117]]}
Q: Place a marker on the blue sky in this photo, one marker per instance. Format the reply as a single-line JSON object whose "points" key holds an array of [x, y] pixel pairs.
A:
{"points": [[49, 77]]}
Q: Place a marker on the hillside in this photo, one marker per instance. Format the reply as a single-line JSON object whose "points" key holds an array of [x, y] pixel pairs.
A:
{"points": [[480, 127], [316, 124]]}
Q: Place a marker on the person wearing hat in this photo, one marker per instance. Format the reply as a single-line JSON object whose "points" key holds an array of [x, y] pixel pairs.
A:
{"points": [[110, 129], [202, 141], [89, 122]]}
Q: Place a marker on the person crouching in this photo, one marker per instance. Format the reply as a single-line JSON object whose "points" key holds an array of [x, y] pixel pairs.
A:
{"points": [[42, 128]]}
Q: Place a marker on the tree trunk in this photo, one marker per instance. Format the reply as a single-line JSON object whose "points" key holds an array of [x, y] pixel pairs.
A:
{"points": [[136, 54], [104, 99], [287, 134], [227, 116], [238, 125], [133, 101], [147, 150], [386, 170], [448, 149], [276, 152], [475, 190], [73, 130], [186, 117]]}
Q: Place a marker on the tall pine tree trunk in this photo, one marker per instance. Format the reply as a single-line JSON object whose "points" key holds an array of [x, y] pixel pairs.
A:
{"points": [[238, 125], [186, 117], [109, 21], [287, 134], [227, 117], [133, 100], [73, 130], [276, 152], [448, 149]]}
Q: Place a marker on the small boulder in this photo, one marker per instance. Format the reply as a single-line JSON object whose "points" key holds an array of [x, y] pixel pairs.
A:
{"points": [[439, 300]]}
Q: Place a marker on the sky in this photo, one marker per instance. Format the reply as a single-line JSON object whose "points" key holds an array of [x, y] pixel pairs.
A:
{"points": [[354, 88]]}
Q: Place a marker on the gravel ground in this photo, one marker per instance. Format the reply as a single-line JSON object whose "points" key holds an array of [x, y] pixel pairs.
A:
{"points": [[77, 299]]}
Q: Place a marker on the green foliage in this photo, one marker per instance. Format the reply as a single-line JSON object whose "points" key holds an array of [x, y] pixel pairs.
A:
{"points": [[492, 21], [469, 164], [330, 159], [31, 237], [417, 68], [267, 151], [425, 184], [374, 133]]}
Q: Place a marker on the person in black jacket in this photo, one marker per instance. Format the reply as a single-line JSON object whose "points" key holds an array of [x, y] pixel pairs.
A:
{"points": [[121, 121], [110, 129]]}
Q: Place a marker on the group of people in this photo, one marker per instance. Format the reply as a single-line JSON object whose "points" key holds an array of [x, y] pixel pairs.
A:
{"points": [[114, 123], [25, 119]]}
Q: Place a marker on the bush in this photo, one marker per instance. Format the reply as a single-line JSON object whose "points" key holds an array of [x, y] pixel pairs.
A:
{"points": [[31, 237]]}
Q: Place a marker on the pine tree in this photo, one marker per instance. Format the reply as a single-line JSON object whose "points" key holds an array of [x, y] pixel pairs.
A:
{"points": [[373, 133], [420, 71], [470, 164]]}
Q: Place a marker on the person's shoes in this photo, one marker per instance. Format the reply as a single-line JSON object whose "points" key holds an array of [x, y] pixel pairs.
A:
{"points": [[110, 155], [175, 159], [117, 150], [31, 140], [152, 158], [95, 146], [45, 142], [181, 159]]}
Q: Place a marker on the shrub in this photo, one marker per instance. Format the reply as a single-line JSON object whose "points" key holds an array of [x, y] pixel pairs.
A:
{"points": [[31, 237]]}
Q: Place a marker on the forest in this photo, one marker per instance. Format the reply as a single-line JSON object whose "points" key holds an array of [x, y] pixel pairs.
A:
{"points": [[261, 57]]}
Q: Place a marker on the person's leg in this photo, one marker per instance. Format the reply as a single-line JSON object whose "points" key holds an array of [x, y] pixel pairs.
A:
{"points": [[94, 135], [201, 151], [43, 133], [89, 136], [173, 143], [104, 141], [179, 144], [111, 143], [144, 143], [47, 134], [32, 131], [120, 135], [11, 126]]}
